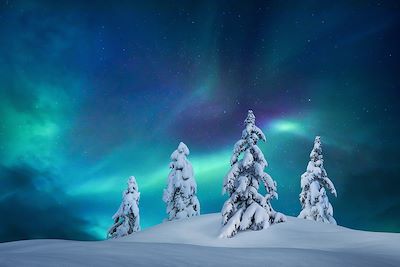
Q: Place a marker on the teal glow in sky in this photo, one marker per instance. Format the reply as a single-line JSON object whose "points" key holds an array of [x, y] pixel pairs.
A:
{"points": [[91, 94]]}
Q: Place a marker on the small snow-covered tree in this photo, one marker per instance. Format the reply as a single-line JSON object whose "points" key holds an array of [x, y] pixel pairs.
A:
{"points": [[314, 201], [127, 219], [180, 194], [246, 208]]}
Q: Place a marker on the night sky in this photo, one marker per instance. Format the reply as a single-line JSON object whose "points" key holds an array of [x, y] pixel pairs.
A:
{"points": [[91, 93]]}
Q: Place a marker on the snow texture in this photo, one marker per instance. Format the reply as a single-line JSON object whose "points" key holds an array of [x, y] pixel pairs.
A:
{"points": [[194, 242], [313, 199], [246, 208], [180, 194], [127, 219]]}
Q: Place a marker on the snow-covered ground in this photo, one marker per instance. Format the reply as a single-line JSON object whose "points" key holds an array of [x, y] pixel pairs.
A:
{"points": [[195, 242]]}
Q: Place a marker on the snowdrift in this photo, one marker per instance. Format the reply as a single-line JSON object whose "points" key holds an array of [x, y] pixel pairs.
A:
{"points": [[195, 242]]}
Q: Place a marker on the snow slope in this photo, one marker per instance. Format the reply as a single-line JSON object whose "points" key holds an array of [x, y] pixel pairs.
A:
{"points": [[195, 242]]}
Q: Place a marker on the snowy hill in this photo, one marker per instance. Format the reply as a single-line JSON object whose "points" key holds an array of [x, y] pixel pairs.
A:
{"points": [[195, 242]]}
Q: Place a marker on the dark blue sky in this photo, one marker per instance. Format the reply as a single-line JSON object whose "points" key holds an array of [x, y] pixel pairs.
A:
{"points": [[93, 92]]}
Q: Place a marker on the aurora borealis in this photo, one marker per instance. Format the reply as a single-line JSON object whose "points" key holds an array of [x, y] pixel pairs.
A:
{"points": [[93, 92]]}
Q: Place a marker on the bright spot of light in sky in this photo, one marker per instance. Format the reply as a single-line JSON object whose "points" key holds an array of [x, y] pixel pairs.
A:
{"points": [[286, 126]]}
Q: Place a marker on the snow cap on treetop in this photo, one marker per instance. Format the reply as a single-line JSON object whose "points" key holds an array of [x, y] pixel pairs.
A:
{"points": [[132, 185], [250, 118], [182, 148], [316, 152]]}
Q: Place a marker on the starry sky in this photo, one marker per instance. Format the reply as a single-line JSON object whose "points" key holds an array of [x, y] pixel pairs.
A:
{"points": [[93, 92]]}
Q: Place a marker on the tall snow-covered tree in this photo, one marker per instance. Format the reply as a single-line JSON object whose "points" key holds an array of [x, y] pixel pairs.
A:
{"points": [[127, 219], [314, 201], [246, 208], [180, 194]]}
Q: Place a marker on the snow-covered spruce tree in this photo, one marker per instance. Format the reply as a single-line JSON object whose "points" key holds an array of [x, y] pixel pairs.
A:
{"points": [[127, 219], [246, 208], [180, 194], [313, 198]]}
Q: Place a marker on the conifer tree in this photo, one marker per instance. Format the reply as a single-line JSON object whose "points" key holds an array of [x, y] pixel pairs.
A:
{"points": [[180, 194], [127, 219], [313, 199], [246, 208]]}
